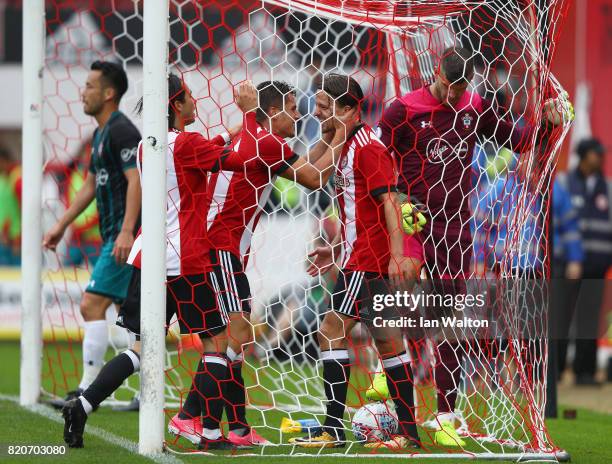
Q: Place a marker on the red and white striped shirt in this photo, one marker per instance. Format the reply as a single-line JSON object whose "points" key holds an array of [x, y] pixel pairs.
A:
{"points": [[365, 170], [236, 199], [190, 158]]}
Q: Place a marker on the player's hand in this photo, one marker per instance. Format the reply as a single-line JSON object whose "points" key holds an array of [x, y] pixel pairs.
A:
{"points": [[403, 269], [246, 96], [345, 124], [573, 270], [123, 246], [53, 236], [321, 261], [559, 111], [413, 220]]}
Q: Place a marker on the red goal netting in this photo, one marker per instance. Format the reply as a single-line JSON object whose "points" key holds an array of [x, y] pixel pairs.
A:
{"points": [[390, 48]]}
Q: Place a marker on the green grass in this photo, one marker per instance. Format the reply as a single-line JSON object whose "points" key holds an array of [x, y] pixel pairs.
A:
{"points": [[583, 438]]}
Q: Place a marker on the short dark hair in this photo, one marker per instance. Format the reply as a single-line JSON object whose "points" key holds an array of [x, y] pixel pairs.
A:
{"points": [[457, 63], [114, 75], [176, 92], [342, 88], [271, 93], [589, 144]]}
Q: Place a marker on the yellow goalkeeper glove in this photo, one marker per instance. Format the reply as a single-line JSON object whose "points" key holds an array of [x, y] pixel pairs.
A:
{"points": [[413, 220], [559, 111]]}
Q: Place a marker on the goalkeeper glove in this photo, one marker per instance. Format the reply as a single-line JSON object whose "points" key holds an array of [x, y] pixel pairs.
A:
{"points": [[559, 111], [413, 220]]}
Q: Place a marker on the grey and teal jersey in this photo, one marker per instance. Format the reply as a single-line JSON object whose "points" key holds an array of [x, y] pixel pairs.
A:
{"points": [[114, 150]]}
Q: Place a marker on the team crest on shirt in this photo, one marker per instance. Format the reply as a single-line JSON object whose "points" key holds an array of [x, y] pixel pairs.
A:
{"points": [[341, 182], [467, 120], [101, 177]]}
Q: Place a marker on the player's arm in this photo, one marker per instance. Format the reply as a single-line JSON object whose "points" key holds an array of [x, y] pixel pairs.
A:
{"points": [[555, 112], [125, 141], [401, 268], [81, 201], [323, 258], [226, 137], [315, 176], [320, 148], [133, 200], [392, 128]]}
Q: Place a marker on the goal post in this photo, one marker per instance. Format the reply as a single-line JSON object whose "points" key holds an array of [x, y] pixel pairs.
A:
{"points": [[154, 195], [31, 239]]}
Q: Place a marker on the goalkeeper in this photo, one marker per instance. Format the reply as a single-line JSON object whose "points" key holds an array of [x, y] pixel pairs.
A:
{"points": [[433, 131]]}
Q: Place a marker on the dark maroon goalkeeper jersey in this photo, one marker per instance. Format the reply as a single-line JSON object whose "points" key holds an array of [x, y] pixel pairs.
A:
{"points": [[433, 145]]}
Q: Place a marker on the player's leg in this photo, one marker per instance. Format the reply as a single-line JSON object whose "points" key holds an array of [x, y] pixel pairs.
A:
{"points": [[109, 282], [95, 335], [235, 296], [396, 365], [111, 376], [413, 249], [193, 298], [332, 336], [450, 355]]}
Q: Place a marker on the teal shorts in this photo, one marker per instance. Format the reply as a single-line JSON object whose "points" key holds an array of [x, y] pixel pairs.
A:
{"points": [[109, 278]]}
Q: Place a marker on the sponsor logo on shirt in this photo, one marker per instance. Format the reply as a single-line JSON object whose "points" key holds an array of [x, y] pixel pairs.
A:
{"points": [[128, 153], [439, 150], [101, 177], [426, 124]]}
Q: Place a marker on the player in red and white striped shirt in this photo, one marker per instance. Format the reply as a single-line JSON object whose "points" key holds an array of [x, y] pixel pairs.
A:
{"points": [[234, 206], [372, 239], [191, 287]]}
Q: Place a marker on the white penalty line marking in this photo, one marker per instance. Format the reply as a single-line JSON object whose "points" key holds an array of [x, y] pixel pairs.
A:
{"points": [[131, 446]]}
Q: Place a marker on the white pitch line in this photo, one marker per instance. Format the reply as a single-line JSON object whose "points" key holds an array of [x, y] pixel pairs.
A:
{"points": [[108, 437]]}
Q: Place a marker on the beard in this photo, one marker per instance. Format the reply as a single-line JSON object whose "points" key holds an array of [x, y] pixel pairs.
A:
{"points": [[91, 109]]}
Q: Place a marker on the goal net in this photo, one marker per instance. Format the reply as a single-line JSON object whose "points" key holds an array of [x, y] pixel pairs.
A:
{"points": [[390, 48]]}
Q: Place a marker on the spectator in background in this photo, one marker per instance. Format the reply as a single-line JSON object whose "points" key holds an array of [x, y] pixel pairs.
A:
{"points": [[591, 195], [566, 265], [10, 209]]}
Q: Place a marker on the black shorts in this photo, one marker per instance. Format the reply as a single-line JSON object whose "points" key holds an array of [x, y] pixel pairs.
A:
{"points": [[192, 298], [234, 290], [354, 294]]}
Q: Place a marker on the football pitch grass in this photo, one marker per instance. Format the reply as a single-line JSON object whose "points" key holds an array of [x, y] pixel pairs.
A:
{"points": [[112, 436]]}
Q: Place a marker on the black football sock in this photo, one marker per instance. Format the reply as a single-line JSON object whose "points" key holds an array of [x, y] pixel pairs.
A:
{"points": [[110, 379], [336, 374], [211, 382], [236, 396], [401, 388], [191, 406]]}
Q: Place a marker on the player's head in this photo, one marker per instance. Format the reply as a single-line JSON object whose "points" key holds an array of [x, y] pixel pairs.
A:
{"points": [[590, 151], [454, 75], [181, 105], [338, 93], [106, 83], [277, 108]]}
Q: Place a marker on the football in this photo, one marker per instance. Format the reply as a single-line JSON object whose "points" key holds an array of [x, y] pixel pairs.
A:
{"points": [[374, 422]]}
